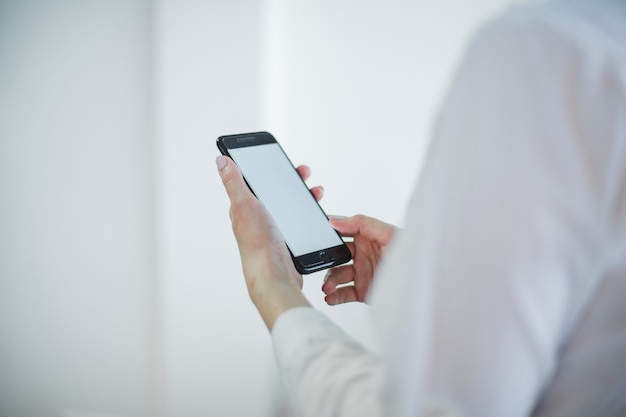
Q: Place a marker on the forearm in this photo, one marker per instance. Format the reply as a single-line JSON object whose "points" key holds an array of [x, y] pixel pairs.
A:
{"points": [[273, 299], [273, 287]]}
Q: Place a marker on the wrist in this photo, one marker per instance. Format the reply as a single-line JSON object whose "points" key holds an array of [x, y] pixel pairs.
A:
{"points": [[275, 293], [275, 300]]}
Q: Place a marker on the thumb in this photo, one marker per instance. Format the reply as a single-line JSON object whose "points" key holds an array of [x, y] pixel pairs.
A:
{"points": [[368, 227], [232, 179]]}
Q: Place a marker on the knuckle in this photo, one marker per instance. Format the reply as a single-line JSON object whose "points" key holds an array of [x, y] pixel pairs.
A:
{"points": [[360, 220]]}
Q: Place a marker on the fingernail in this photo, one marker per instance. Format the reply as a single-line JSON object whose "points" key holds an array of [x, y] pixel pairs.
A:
{"points": [[326, 276], [221, 162]]}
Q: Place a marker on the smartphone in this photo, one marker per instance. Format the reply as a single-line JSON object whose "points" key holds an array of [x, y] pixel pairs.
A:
{"points": [[312, 241]]}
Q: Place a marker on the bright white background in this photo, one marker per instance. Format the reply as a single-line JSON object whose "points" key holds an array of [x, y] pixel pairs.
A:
{"points": [[120, 285]]}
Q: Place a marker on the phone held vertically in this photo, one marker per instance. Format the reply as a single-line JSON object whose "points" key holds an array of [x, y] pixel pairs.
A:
{"points": [[313, 243]]}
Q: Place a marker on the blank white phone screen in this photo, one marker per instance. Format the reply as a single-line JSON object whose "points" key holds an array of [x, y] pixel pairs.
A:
{"points": [[278, 186]]}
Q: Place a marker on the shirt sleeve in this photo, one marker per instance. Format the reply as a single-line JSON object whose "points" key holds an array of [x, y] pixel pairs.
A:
{"points": [[326, 372]]}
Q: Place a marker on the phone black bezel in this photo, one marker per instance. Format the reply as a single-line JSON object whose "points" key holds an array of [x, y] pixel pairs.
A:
{"points": [[310, 262]]}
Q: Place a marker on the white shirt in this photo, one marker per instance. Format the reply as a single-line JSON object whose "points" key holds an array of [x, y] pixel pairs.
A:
{"points": [[505, 294]]}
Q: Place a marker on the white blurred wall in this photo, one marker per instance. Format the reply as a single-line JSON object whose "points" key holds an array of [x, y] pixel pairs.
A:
{"points": [[353, 87], [217, 351], [76, 207], [120, 283]]}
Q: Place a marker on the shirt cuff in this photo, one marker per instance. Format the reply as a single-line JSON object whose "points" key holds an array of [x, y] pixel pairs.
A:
{"points": [[302, 335], [302, 327]]}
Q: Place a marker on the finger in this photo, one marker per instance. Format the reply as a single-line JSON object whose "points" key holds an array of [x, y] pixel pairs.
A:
{"points": [[345, 294], [337, 276], [232, 179], [366, 226], [318, 192], [304, 171]]}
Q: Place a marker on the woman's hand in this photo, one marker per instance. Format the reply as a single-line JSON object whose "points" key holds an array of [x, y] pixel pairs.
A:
{"points": [[371, 236], [273, 283]]}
